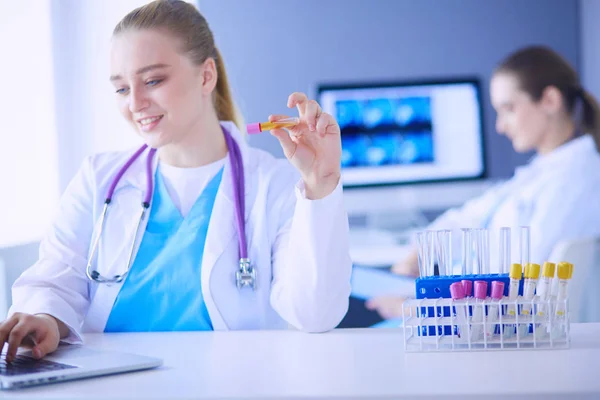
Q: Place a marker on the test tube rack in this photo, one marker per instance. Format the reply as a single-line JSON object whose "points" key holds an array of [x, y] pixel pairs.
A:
{"points": [[439, 286], [433, 324]]}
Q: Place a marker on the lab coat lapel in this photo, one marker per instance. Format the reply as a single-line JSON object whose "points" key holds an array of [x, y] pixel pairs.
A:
{"points": [[222, 229], [125, 213]]}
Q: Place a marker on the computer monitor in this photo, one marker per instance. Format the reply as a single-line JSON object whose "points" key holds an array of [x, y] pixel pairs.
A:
{"points": [[408, 132]]}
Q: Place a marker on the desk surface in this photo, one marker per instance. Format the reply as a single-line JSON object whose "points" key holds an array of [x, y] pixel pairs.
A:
{"points": [[367, 363]]}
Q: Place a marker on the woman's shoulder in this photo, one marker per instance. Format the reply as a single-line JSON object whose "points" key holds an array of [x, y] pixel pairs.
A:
{"points": [[102, 159], [103, 165]]}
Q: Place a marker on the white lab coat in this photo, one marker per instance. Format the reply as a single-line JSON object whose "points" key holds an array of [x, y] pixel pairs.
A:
{"points": [[557, 195], [299, 248]]}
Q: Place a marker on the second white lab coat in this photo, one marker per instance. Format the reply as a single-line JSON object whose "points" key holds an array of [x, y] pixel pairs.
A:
{"points": [[556, 195], [299, 248]]}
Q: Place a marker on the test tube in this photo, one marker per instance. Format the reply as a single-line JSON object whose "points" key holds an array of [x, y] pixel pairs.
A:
{"points": [[258, 127], [480, 289], [565, 273], [449, 259], [457, 293], [543, 291], [444, 252], [477, 244], [504, 252], [485, 251], [466, 262], [524, 245], [421, 253], [516, 270], [497, 293], [431, 245], [532, 273], [467, 286]]}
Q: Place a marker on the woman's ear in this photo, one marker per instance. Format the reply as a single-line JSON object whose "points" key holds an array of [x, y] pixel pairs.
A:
{"points": [[552, 100], [209, 76]]}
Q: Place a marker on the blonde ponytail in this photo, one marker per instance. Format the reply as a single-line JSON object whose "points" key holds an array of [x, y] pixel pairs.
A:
{"points": [[224, 104]]}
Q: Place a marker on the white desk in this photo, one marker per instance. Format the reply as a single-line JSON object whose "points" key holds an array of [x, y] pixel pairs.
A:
{"points": [[367, 363]]}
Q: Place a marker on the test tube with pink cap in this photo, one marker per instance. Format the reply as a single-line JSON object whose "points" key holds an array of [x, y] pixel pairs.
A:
{"points": [[457, 293], [478, 310], [468, 287], [497, 293]]}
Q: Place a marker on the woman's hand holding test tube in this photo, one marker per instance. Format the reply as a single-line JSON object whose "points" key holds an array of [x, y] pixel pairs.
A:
{"points": [[313, 144]]}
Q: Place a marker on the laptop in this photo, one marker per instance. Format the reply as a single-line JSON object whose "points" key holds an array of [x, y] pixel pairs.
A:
{"points": [[68, 362]]}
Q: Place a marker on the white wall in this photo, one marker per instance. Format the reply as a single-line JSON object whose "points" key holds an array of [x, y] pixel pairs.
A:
{"points": [[272, 48], [57, 105], [589, 14], [28, 146], [87, 117]]}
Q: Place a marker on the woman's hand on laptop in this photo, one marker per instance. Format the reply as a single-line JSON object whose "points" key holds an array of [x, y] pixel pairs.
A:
{"points": [[41, 333]]}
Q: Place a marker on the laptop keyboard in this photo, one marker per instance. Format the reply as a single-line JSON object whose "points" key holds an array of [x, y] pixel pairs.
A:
{"points": [[27, 365]]}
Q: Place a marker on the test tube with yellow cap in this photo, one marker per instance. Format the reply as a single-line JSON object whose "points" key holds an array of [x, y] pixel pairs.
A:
{"points": [[564, 272], [515, 275], [532, 273], [543, 292]]}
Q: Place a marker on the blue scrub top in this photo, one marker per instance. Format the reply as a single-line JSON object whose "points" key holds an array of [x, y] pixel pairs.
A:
{"points": [[163, 291]]}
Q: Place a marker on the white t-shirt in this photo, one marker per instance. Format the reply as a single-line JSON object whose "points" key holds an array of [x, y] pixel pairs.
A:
{"points": [[185, 185]]}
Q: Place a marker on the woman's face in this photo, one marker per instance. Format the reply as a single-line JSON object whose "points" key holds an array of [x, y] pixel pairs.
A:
{"points": [[159, 90], [523, 120]]}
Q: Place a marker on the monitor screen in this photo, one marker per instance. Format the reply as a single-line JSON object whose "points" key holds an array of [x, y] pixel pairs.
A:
{"points": [[395, 133]]}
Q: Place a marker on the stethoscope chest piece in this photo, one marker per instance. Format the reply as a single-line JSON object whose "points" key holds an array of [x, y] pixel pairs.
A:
{"points": [[246, 275]]}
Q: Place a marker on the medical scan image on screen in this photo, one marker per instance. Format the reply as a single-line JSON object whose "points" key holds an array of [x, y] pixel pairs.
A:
{"points": [[385, 131], [408, 132]]}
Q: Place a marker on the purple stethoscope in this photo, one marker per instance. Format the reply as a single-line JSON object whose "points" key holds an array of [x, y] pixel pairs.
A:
{"points": [[245, 275]]}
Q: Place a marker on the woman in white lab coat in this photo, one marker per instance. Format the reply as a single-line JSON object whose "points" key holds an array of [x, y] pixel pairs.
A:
{"points": [[540, 106], [187, 269]]}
